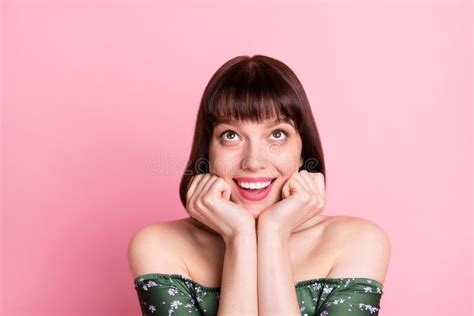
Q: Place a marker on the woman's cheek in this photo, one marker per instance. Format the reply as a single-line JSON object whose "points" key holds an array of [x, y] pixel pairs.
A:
{"points": [[287, 164], [229, 165]]}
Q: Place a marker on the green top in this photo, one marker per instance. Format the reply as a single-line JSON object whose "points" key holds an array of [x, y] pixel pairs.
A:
{"points": [[174, 294]]}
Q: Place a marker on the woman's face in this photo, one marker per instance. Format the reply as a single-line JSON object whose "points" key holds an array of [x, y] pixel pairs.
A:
{"points": [[269, 149]]}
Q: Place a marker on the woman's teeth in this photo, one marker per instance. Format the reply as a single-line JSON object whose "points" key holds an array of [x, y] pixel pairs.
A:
{"points": [[254, 185]]}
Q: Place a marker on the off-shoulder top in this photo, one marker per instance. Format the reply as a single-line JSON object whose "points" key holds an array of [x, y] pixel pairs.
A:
{"points": [[174, 294]]}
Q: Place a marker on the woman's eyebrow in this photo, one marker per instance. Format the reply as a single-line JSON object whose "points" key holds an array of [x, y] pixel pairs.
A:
{"points": [[278, 121], [269, 124]]}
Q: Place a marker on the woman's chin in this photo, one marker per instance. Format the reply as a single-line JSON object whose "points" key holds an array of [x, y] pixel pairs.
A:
{"points": [[255, 213]]}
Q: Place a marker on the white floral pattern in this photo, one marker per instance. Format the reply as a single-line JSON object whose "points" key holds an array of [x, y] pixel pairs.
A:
{"points": [[174, 294]]}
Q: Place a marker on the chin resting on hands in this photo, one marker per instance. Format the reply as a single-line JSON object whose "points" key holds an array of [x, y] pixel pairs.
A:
{"points": [[303, 197], [208, 201]]}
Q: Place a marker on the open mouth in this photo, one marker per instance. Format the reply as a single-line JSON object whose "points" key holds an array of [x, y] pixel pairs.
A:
{"points": [[255, 191], [256, 188]]}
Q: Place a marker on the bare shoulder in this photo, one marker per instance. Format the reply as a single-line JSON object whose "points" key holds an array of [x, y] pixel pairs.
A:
{"points": [[157, 248], [364, 250]]}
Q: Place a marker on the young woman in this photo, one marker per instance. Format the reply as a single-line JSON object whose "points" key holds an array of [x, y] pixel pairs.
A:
{"points": [[256, 241]]}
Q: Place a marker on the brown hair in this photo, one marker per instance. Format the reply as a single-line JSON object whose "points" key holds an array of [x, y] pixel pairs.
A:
{"points": [[252, 89]]}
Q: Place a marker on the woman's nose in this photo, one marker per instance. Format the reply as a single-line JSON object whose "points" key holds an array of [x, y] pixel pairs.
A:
{"points": [[252, 164], [254, 156]]}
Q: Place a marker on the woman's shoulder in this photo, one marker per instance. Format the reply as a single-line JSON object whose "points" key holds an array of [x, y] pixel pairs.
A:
{"points": [[156, 248], [364, 248], [351, 224]]}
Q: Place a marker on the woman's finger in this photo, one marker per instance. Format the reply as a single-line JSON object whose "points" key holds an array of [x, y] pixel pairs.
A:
{"points": [[209, 184], [192, 191], [293, 185], [290, 186], [318, 179], [301, 183], [221, 188], [192, 187], [314, 187], [200, 185], [310, 182], [285, 190]]}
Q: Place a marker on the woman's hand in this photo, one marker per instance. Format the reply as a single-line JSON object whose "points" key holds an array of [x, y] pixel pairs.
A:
{"points": [[303, 197], [208, 201]]}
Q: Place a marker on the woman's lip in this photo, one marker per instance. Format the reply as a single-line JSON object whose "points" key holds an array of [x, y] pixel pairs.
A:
{"points": [[255, 197], [250, 179], [269, 179]]}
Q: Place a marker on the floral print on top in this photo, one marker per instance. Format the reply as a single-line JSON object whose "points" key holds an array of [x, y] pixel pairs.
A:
{"points": [[173, 294]]}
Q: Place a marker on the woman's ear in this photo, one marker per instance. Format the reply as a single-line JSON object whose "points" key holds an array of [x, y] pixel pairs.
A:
{"points": [[301, 164]]}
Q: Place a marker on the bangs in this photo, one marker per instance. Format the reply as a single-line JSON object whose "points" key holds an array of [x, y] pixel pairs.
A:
{"points": [[253, 94]]}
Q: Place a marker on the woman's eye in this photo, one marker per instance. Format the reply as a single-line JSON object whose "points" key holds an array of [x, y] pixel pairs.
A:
{"points": [[231, 136], [278, 134]]}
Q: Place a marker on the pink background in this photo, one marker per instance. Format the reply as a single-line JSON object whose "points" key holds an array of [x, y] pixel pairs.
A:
{"points": [[99, 103]]}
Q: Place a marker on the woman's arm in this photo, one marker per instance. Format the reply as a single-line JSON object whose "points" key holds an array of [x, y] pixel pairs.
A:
{"points": [[276, 289], [208, 201], [239, 277], [303, 198]]}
